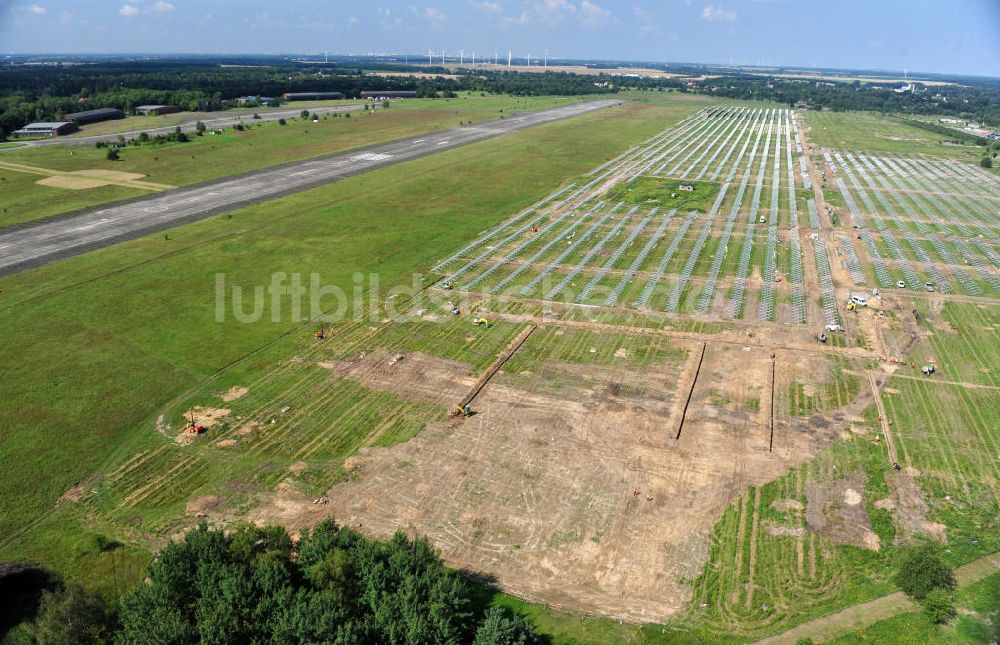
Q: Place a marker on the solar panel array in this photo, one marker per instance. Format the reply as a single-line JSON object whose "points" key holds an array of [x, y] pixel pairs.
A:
{"points": [[572, 246], [911, 277], [708, 289], [633, 268], [849, 258], [594, 250], [882, 275], [569, 232], [604, 270], [940, 281], [828, 300], [661, 267]]}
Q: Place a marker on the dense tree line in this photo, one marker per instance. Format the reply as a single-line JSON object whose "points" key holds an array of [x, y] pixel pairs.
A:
{"points": [[37, 93], [255, 585], [538, 84], [980, 102], [45, 93], [951, 133]]}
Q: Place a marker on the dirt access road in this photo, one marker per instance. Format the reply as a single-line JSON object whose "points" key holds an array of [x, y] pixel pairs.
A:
{"points": [[860, 616]]}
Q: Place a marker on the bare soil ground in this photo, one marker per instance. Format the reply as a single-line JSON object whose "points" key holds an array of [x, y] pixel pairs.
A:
{"points": [[567, 486], [836, 509], [71, 183]]}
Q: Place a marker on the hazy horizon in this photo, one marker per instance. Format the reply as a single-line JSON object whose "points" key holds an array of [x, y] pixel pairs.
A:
{"points": [[960, 38]]}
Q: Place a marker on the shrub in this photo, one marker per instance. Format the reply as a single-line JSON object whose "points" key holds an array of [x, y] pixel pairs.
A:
{"points": [[921, 571], [939, 605], [501, 626], [72, 615]]}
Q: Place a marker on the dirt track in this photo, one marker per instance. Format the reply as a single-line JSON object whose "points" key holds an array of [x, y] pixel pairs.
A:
{"points": [[865, 614]]}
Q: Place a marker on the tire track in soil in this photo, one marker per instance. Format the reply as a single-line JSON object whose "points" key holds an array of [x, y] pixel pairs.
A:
{"points": [[137, 495], [737, 568], [942, 446], [883, 421], [754, 530], [800, 538]]}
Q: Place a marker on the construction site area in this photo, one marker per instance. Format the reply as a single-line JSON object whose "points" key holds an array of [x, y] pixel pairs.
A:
{"points": [[709, 382]]}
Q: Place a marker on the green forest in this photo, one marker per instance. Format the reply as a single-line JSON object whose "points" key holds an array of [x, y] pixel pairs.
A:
{"points": [[46, 92], [256, 585]]}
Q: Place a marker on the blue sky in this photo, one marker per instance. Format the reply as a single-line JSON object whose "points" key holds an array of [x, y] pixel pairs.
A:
{"points": [[957, 36]]}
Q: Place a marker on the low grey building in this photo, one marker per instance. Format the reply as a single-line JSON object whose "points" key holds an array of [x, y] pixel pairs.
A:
{"points": [[312, 96], [46, 129], [256, 100], [157, 109], [389, 94], [93, 116]]}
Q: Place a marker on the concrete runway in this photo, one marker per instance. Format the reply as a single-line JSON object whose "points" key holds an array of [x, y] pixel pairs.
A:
{"points": [[75, 233]]}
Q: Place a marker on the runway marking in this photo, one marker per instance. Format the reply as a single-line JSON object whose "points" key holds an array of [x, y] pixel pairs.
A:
{"points": [[91, 225], [155, 209], [371, 156], [440, 143], [303, 172]]}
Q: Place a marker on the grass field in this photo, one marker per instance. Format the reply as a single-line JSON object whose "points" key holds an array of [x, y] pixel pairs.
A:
{"points": [[881, 133], [964, 342], [134, 327], [263, 144], [667, 194]]}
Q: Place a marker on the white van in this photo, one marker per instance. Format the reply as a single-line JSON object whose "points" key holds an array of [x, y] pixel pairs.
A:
{"points": [[859, 300]]}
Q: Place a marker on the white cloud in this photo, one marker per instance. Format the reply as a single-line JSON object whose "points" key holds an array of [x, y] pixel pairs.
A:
{"points": [[353, 20], [593, 15], [488, 7], [554, 7], [263, 20], [647, 23], [36, 9], [545, 12], [713, 13], [389, 21], [162, 6], [435, 17], [129, 10]]}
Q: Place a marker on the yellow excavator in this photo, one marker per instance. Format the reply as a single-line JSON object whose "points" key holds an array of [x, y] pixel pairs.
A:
{"points": [[462, 410], [480, 322]]}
